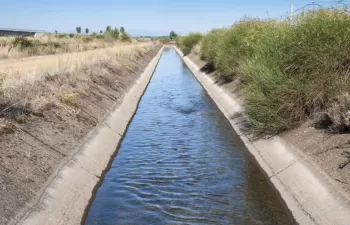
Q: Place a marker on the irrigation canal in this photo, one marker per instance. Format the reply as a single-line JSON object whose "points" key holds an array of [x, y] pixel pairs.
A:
{"points": [[181, 162]]}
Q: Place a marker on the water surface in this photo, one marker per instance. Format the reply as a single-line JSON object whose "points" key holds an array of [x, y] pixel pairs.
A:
{"points": [[180, 162]]}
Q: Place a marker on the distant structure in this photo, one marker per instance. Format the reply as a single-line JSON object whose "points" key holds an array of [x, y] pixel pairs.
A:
{"points": [[21, 32]]}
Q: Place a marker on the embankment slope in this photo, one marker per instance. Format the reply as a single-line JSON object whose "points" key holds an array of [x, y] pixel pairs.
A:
{"points": [[307, 191], [35, 148]]}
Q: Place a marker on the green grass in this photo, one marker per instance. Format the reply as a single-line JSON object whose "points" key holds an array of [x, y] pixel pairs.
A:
{"points": [[290, 71], [209, 45], [186, 43]]}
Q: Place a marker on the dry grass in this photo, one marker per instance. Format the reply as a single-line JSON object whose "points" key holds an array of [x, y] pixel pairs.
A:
{"points": [[50, 44], [39, 81], [336, 118], [68, 98]]}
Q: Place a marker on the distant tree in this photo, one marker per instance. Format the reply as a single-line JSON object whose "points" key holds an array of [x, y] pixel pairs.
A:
{"points": [[122, 30], [71, 35], [101, 31], [56, 32], [116, 33], [108, 29], [172, 35], [78, 29], [87, 30]]}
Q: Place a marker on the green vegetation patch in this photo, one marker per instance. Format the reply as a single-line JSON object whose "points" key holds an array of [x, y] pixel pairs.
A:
{"points": [[291, 70], [186, 43]]}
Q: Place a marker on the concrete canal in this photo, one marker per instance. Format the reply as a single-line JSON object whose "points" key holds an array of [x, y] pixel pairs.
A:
{"points": [[181, 162]]}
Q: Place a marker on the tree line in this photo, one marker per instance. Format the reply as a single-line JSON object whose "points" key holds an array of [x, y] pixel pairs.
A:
{"points": [[109, 31]]}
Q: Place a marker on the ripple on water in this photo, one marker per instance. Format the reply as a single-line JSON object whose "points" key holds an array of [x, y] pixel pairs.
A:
{"points": [[181, 163]]}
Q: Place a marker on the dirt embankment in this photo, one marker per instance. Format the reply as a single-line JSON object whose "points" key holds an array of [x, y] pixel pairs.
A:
{"points": [[328, 152], [36, 141]]}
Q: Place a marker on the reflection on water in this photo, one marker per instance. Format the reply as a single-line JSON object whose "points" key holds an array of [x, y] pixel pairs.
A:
{"points": [[181, 163]]}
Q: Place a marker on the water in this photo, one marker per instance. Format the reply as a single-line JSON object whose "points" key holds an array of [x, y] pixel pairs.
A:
{"points": [[181, 163]]}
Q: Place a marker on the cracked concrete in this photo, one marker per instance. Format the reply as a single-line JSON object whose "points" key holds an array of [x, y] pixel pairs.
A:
{"points": [[67, 196], [305, 189]]}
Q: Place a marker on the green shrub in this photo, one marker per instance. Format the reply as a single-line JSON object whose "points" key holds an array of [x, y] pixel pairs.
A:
{"points": [[290, 71], [186, 43], [100, 36], [71, 35], [61, 35], [209, 44], [125, 37], [164, 40], [22, 42]]}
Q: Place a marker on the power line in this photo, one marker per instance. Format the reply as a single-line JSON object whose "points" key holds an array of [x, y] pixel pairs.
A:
{"points": [[321, 4]]}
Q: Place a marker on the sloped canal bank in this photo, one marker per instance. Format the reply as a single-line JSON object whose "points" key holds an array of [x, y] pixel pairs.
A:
{"points": [[181, 162]]}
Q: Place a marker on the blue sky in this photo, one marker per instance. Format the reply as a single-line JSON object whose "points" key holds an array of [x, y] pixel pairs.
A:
{"points": [[152, 17]]}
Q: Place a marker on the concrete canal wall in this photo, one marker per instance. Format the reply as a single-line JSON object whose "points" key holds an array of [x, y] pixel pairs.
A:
{"points": [[306, 191], [68, 195]]}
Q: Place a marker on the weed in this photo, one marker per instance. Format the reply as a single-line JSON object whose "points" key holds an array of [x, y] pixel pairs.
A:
{"points": [[68, 98]]}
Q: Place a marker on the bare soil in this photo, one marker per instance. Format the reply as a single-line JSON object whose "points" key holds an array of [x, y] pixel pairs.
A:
{"points": [[328, 152], [32, 149]]}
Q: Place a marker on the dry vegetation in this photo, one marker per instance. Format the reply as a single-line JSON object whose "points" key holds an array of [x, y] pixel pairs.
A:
{"points": [[17, 47], [48, 104], [59, 79]]}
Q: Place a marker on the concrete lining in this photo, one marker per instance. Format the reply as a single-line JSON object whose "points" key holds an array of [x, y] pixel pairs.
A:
{"points": [[307, 192], [69, 193]]}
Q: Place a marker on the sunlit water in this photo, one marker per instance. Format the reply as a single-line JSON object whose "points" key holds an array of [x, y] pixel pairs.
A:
{"points": [[181, 163]]}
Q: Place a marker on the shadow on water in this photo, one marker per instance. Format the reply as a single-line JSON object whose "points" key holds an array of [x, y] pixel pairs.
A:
{"points": [[180, 162]]}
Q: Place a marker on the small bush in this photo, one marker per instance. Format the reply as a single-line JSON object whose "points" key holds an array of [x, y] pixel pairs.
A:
{"points": [[61, 35], [22, 43], [71, 35], [186, 43], [164, 40], [100, 36], [125, 37], [53, 44], [87, 39], [68, 98]]}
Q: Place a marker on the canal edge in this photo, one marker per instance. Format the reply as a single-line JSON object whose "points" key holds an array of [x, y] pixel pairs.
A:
{"points": [[305, 190], [66, 198]]}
